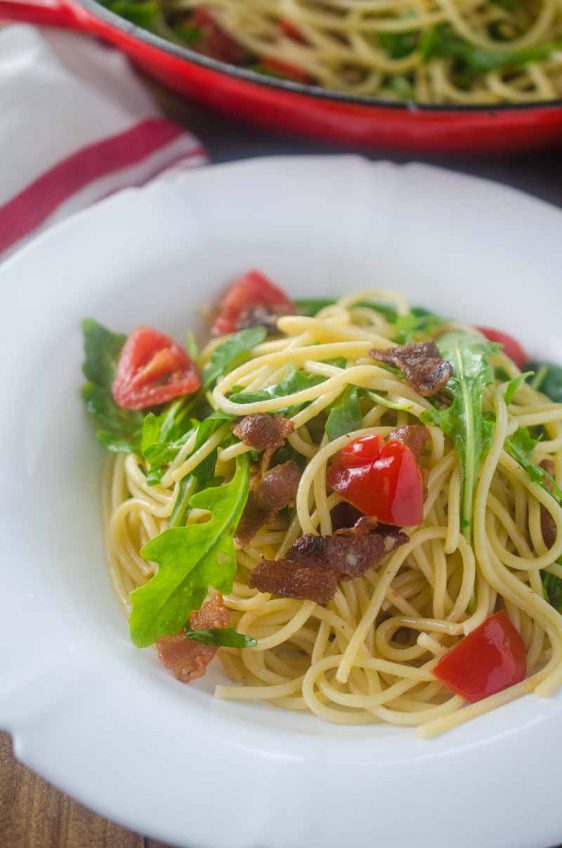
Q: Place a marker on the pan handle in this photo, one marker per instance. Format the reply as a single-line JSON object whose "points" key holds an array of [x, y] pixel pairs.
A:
{"points": [[48, 12]]}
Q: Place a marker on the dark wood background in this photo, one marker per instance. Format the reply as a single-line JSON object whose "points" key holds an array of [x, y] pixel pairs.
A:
{"points": [[34, 814]]}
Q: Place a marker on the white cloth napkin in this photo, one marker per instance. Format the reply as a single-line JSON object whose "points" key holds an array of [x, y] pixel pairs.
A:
{"points": [[75, 126]]}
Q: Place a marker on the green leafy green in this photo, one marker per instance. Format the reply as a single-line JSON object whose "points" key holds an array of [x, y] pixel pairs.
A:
{"points": [[520, 447], [312, 306], [190, 559], [205, 471], [188, 34], [188, 486], [515, 384], [390, 404], [472, 61], [463, 421], [101, 354], [143, 13], [552, 586], [162, 436], [232, 353], [401, 87], [417, 321], [345, 414], [398, 45], [222, 637], [295, 381], [549, 380]]}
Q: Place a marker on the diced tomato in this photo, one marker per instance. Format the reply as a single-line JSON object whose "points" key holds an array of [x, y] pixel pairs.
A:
{"points": [[214, 41], [253, 289], [152, 369], [511, 347], [381, 479], [289, 29], [285, 69], [489, 659]]}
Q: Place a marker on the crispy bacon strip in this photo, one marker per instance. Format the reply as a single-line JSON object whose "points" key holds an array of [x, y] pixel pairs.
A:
{"points": [[277, 488], [187, 659], [262, 431], [292, 580], [548, 526], [351, 552], [414, 436], [270, 493], [314, 564], [421, 364]]}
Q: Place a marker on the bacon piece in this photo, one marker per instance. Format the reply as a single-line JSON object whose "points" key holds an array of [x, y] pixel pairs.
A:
{"points": [[292, 580], [261, 316], [414, 436], [548, 527], [262, 431], [350, 552], [421, 364], [187, 659], [270, 493], [314, 564], [277, 488]]}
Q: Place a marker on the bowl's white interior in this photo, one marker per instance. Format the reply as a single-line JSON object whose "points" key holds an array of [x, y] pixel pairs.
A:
{"points": [[461, 247]]}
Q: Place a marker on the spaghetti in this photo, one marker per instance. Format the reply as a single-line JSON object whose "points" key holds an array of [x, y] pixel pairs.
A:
{"points": [[471, 52], [369, 654]]}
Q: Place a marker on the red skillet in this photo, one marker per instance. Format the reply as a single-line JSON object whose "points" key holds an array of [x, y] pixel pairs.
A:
{"points": [[291, 107]]}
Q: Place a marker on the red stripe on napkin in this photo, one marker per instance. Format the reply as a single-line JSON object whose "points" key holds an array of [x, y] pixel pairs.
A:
{"points": [[39, 200]]}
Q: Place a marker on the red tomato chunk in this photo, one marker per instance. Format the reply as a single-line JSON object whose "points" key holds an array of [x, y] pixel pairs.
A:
{"points": [[381, 479], [511, 346], [489, 659], [251, 290], [152, 369]]}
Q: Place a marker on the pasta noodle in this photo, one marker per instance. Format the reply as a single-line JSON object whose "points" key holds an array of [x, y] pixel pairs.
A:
{"points": [[367, 655], [461, 52]]}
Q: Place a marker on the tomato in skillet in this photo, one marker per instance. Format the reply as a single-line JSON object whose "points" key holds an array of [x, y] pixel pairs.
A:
{"points": [[285, 70], [489, 659], [381, 479], [511, 346], [215, 41], [253, 289], [152, 369]]}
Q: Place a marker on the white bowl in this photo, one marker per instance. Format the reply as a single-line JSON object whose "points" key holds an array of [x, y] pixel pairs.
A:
{"points": [[101, 719]]}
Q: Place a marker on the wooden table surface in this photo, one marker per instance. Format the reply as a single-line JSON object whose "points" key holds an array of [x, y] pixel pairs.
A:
{"points": [[32, 813]]}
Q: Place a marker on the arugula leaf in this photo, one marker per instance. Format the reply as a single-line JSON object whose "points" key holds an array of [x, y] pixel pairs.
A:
{"points": [[101, 355], [232, 353], [401, 87], [515, 384], [190, 559], [188, 486], [418, 320], [205, 471], [162, 436], [143, 13], [520, 447], [550, 382], [398, 45], [223, 637], [552, 586], [188, 34], [390, 404], [345, 414], [475, 61], [312, 306], [463, 421], [295, 381]]}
